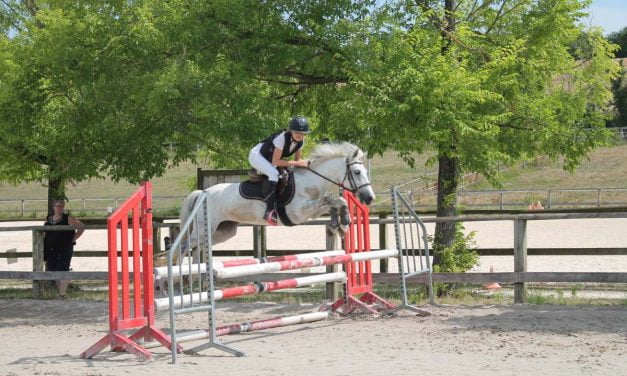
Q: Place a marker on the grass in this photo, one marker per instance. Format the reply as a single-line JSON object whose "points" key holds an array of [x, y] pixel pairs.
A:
{"points": [[604, 168]]}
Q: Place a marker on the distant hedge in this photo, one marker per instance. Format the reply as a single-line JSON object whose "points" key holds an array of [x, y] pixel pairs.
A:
{"points": [[619, 88]]}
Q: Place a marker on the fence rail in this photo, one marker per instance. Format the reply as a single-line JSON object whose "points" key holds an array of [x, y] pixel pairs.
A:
{"points": [[26, 207], [520, 198]]}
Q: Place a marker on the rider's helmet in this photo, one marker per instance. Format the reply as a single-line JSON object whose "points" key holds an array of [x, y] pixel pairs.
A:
{"points": [[299, 124]]}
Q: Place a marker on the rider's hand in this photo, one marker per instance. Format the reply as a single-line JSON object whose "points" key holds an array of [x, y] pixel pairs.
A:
{"points": [[302, 163]]}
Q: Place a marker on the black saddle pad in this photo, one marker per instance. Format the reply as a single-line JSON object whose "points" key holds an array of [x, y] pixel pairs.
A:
{"points": [[254, 190]]}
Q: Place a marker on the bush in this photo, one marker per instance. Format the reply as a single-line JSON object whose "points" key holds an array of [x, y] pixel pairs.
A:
{"points": [[461, 256]]}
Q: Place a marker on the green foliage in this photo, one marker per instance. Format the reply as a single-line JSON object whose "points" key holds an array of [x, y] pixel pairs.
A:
{"points": [[461, 256], [94, 90], [619, 38], [505, 88]]}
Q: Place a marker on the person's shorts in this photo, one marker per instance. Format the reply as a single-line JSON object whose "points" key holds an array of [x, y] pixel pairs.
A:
{"points": [[58, 261]]}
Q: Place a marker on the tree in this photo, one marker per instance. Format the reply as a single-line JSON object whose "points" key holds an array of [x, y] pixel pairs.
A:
{"points": [[619, 38], [93, 89], [619, 88], [485, 83]]}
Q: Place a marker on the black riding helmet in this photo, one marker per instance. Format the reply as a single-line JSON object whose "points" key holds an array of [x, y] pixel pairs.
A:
{"points": [[299, 124]]}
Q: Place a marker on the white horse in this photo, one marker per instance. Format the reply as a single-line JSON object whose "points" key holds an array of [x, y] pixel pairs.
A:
{"points": [[331, 165]]}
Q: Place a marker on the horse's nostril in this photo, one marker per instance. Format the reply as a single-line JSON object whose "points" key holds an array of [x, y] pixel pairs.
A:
{"points": [[365, 198]]}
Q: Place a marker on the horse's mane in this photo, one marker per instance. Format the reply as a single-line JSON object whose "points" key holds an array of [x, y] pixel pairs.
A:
{"points": [[332, 150]]}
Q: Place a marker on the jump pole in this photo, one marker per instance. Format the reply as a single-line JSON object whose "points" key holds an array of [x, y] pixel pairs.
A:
{"points": [[162, 271], [270, 267], [250, 326], [254, 288]]}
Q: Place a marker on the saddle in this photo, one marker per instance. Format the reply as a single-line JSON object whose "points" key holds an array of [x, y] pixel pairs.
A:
{"points": [[253, 189], [255, 177]]}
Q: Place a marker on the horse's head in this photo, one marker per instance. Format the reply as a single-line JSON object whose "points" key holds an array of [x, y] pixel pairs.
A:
{"points": [[343, 165], [357, 177]]}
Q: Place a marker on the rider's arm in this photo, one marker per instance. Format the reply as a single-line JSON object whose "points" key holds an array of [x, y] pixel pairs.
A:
{"points": [[277, 161]]}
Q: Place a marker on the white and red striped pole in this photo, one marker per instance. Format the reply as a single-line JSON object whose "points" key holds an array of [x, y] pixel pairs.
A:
{"points": [[270, 267], [185, 269], [254, 288], [249, 327]]}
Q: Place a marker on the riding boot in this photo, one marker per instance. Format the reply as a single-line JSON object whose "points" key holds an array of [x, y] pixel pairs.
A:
{"points": [[271, 215]]}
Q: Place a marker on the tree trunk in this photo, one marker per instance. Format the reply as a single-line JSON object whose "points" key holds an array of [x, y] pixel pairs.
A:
{"points": [[448, 167], [56, 191], [448, 178]]}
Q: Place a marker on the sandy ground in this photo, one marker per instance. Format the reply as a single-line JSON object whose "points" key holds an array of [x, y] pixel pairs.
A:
{"points": [[46, 337]]}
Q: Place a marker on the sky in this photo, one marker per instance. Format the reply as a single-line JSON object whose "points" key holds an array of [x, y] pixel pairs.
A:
{"points": [[611, 15]]}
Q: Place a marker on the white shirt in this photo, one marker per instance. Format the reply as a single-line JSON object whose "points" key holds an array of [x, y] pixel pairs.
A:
{"points": [[279, 142]]}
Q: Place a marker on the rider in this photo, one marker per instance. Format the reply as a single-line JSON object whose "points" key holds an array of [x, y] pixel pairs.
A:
{"points": [[267, 155]]}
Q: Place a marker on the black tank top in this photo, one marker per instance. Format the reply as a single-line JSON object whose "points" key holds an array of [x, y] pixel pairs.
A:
{"points": [[58, 239], [267, 149]]}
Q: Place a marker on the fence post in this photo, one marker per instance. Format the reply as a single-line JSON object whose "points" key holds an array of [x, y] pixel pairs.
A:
{"points": [[332, 291], [175, 229], [38, 262], [549, 199], [156, 236], [501, 201], [599, 198], [23, 208], [520, 258], [383, 243], [260, 248]]}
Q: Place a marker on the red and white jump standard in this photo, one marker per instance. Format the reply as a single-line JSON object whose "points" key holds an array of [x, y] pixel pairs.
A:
{"points": [[136, 299], [359, 292]]}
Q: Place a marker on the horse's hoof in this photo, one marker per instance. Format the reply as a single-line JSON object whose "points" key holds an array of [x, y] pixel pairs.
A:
{"points": [[271, 218], [342, 231]]}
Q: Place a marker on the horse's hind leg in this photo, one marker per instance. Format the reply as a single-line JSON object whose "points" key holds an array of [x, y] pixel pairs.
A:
{"points": [[225, 231]]}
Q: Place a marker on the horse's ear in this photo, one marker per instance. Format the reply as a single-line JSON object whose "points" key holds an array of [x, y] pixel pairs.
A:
{"points": [[356, 153]]}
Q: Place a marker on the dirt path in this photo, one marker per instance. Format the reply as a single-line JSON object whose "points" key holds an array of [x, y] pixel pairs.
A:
{"points": [[46, 337]]}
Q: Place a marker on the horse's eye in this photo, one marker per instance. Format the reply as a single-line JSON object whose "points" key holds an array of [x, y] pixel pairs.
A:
{"points": [[357, 172]]}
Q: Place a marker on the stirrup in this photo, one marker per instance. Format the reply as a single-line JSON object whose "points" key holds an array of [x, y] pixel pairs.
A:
{"points": [[271, 217]]}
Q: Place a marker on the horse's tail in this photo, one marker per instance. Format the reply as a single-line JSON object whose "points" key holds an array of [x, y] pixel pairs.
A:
{"points": [[188, 205], [186, 208]]}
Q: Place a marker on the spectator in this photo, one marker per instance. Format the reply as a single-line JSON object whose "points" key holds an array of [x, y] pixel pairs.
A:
{"points": [[536, 206], [59, 245]]}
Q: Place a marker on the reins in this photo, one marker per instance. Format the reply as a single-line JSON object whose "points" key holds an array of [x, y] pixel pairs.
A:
{"points": [[348, 175]]}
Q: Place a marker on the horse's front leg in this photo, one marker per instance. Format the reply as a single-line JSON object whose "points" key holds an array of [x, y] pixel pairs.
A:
{"points": [[340, 218], [334, 221]]}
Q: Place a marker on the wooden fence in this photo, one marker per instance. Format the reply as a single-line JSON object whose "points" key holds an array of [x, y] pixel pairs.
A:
{"points": [[519, 250]]}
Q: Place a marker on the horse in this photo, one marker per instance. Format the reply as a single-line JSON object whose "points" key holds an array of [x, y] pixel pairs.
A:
{"points": [[331, 165]]}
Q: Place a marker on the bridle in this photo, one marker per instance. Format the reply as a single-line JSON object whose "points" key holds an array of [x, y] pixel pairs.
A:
{"points": [[348, 175]]}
